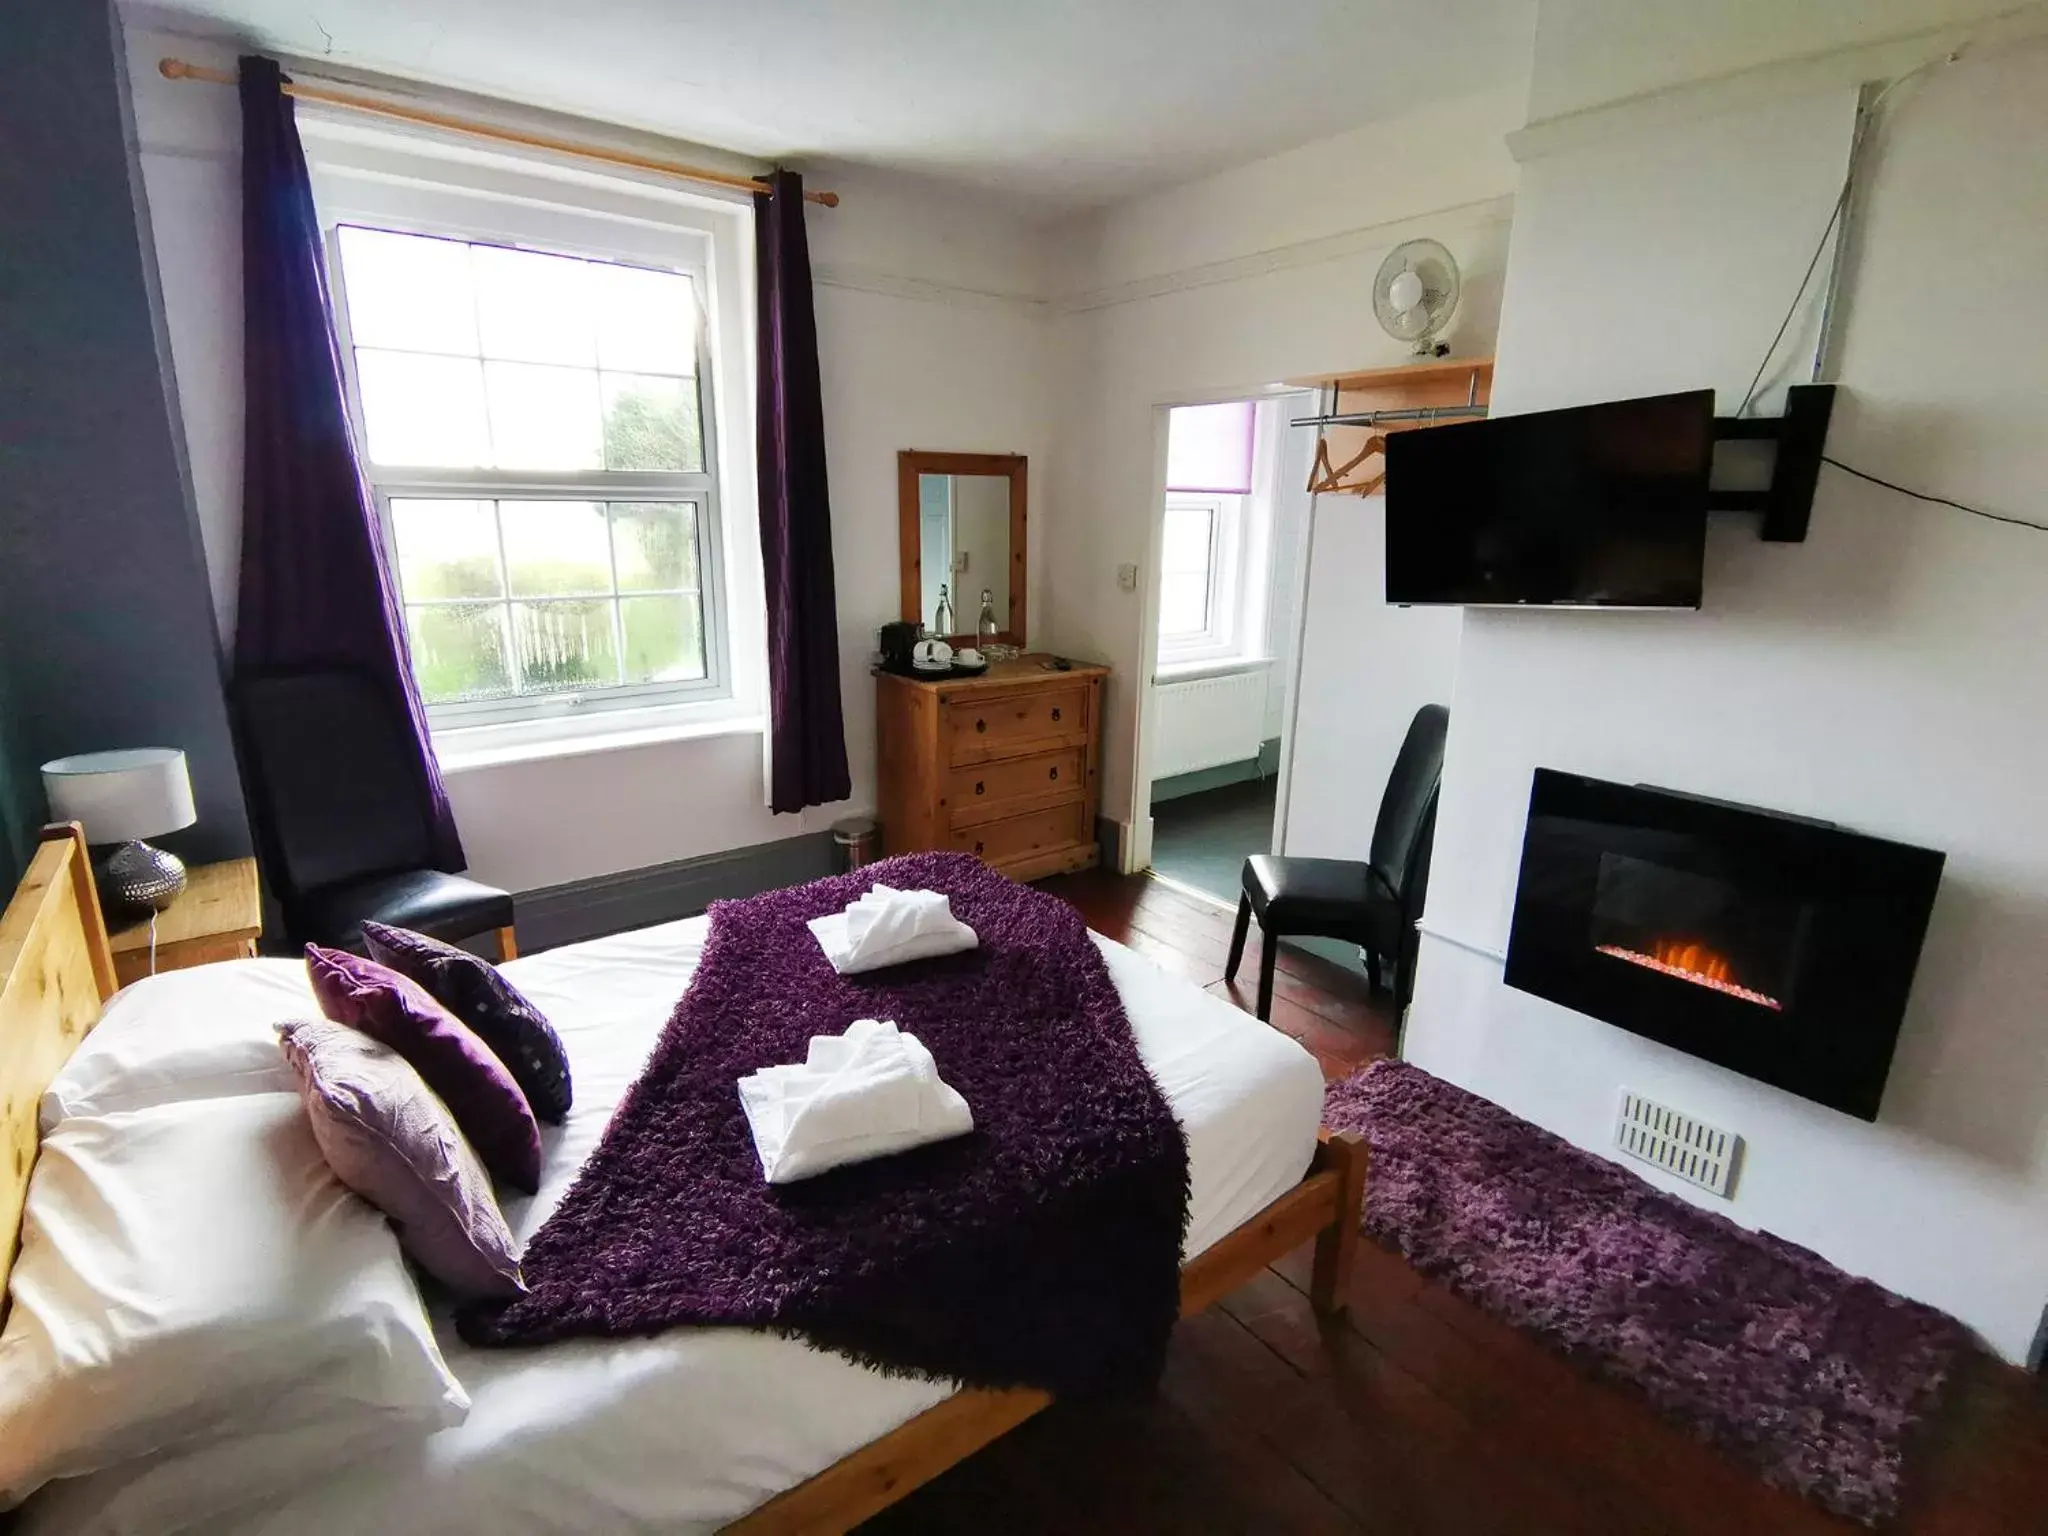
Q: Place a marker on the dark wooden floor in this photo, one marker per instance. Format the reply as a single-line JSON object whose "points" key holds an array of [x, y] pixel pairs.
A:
{"points": [[1417, 1413]]}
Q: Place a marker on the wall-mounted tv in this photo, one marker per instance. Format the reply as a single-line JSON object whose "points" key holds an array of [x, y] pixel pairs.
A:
{"points": [[1599, 506]]}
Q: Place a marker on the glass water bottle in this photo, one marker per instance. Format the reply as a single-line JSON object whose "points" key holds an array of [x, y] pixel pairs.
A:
{"points": [[942, 616], [985, 631]]}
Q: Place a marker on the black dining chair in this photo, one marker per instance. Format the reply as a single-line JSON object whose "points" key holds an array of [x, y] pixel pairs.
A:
{"points": [[1373, 904], [334, 788]]}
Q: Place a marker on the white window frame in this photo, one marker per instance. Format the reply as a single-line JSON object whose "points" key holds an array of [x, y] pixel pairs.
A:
{"points": [[1218, 639], [396, 181]]}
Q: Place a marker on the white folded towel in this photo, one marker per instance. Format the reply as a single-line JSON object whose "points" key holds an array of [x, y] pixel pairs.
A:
{"points": [[888, 927], [864, 1094]]}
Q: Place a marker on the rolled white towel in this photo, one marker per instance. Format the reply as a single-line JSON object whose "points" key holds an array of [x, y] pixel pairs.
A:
{"points": [[863, 1094], [888, 927]]}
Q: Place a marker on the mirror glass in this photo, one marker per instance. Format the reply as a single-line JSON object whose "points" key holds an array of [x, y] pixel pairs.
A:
{"points": [[963, 525]]}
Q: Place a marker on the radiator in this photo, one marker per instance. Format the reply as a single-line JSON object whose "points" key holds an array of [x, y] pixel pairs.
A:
{"points": [[1205, 722]]}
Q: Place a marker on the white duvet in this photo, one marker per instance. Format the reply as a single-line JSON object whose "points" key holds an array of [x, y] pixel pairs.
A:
{"points": [[688, 1431]]}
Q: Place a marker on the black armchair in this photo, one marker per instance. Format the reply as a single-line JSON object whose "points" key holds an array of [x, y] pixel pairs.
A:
{"points": [[335, 794], [1374, 904]]}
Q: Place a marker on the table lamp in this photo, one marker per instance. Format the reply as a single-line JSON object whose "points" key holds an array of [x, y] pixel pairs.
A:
{"points": [[122, 798]]}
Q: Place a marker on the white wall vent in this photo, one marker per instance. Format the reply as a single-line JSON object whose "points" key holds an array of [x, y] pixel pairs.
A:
{"points": [[1700, 1153]]}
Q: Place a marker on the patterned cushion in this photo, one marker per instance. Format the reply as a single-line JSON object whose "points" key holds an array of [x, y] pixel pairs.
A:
{"points": [[388, 1138], [476, 993], [470, 1080]]}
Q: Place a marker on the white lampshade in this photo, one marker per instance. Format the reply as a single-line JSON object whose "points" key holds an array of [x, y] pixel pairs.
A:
{"points": [[121, 796]]}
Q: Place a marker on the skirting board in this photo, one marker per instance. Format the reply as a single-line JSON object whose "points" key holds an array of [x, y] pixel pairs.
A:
{"points": [[1178, 785], [661, 893], [1110, 834]]}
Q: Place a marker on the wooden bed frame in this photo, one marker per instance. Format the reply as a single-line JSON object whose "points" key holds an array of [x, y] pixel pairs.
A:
{"points": [[56, 972]]}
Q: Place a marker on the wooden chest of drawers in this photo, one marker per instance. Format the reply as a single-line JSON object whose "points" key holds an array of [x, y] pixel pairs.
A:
{"points": [[1003, 765]]}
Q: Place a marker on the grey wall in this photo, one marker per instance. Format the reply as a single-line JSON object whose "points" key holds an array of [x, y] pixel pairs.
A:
{"points": [[106, 625], [21, 798]]}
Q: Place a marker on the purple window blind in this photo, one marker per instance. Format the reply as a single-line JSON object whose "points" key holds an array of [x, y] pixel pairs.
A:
{"points": [[1209, 448]]}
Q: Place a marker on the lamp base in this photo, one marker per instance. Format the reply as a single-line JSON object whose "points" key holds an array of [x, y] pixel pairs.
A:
{"points": [[135, 879]]}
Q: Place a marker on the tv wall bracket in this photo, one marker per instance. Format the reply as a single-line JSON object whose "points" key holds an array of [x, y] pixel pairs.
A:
{"points": [[1801, 435]]}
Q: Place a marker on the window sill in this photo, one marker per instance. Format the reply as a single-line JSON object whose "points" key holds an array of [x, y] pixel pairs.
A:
{"points": [[1211, 666], [466, 749]]}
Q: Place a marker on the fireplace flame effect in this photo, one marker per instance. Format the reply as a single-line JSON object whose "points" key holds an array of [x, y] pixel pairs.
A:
{"points": [[1690, 960]]}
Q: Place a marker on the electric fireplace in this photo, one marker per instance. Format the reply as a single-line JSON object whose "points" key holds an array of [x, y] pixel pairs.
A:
{"points": [[1776, 946]]}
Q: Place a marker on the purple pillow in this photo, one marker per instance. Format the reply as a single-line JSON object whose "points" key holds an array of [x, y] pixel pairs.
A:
{"points": [[460, 1068], [473, 990], [390, 1140]]}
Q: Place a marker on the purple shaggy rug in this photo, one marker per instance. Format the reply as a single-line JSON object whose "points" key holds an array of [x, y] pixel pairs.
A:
{"points": [[1042, 1249], [1807, 1373]]}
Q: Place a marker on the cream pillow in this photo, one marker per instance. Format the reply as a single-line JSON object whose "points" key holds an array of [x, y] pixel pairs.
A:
{"points": [[191, 1272], [207, 1032]]}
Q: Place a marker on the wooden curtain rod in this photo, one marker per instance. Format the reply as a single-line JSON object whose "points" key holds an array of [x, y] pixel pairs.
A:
{"points": [[178, 69]]}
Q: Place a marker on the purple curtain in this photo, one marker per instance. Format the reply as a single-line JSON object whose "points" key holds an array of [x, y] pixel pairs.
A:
{"points": [[315, 590], [807, 733]]}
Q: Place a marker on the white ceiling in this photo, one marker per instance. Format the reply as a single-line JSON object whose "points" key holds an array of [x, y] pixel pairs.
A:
{"points": [[1067, 103]]}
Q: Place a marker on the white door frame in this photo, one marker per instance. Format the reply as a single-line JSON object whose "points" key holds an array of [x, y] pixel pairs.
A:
{"points": [[1136, 851]]}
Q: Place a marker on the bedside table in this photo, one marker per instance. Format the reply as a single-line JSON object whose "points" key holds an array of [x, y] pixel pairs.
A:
{"points": [[218, 916]]}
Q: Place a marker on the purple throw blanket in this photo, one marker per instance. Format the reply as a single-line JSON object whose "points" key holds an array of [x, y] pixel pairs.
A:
{"points": [[1041, 1250]]}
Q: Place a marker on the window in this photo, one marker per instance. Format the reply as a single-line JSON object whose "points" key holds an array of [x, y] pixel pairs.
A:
{"points": [[1210, 456], [533, 427], [532, 380], [1189, 566]]}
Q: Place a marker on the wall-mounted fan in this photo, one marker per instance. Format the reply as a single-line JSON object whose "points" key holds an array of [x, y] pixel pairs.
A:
{"points": [[1415, 295]]}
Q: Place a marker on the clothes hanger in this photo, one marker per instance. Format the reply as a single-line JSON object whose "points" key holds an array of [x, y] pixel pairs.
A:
{"points": [[1323, 477]]}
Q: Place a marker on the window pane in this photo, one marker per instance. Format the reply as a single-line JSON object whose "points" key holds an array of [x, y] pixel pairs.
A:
{"points": [[1186, 546], [543, 418], [1183, 605], [446, 549], [651, 423], [421, 411], [556, 547], [664, 638], [565, 644], [533, 308], [458, 651], [646, 321], [408, 291], [655, 545]]}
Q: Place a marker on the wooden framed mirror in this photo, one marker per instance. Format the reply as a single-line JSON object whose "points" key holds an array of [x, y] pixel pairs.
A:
{"points": [[960, 525]]}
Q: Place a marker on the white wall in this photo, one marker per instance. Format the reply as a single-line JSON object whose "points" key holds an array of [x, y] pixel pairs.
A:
{"points": [[1883, 674], [932, 334], [1289, 507], [1214, 291], [1365, 669]]}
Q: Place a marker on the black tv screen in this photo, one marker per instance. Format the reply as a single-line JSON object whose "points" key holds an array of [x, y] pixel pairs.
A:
{"points": [[1600, 506]]}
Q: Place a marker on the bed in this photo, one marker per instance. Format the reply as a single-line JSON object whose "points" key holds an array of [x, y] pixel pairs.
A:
{"points": [[696, 1429]]}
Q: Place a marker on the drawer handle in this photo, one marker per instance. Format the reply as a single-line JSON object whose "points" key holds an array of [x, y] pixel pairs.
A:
{"points": [[1055, 714], [981, 725], [1053, 772], [977, 847], [979, 787]]}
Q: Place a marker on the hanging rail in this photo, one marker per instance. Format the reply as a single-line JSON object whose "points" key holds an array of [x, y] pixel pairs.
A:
{"points": [[1374, 418]]}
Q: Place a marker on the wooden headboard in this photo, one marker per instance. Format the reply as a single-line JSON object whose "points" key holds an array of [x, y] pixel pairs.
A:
{"points": [[56, 970]]}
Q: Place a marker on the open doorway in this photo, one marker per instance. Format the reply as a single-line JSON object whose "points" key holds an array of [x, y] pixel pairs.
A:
{"points": [[1232, 565]]}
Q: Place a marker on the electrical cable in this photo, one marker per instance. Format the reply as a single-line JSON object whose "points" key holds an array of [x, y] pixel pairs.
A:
{"points": [[1865, 123], [1939, 501]]}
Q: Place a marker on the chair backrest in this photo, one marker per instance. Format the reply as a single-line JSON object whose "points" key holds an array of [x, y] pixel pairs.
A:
{"points": [[333, 783], [1407, 816]]}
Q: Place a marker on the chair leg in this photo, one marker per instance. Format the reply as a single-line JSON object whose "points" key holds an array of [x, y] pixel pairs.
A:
{"points": [[1372, 971], [508, 943], [1244, 922], [1269, 953]]}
